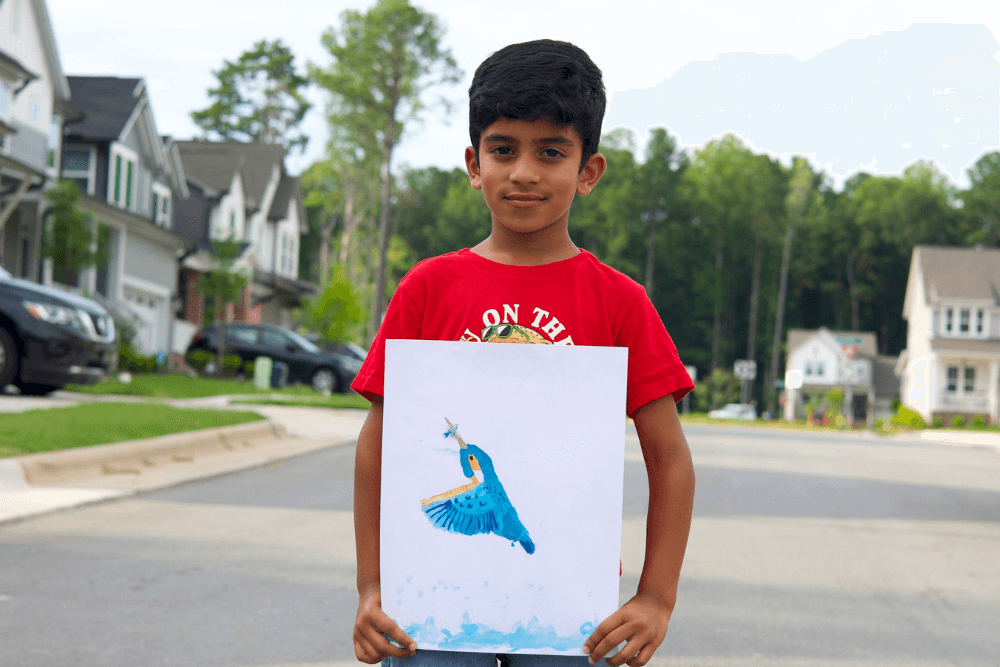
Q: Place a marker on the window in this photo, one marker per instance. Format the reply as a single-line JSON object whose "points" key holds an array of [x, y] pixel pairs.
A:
{"points": [[36, 110], [243, 335], [273, 338], [949, 314], [819, 368], [4, 100], [963, 320], [232, 224], [159, 208], [156, 206], [952, 379], [76, 164], [52, 141], [979, 320], [809, 368], [122, 177], [970, 380]]}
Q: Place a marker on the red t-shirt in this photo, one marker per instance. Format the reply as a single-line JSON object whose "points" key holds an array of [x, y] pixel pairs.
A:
{"points": [[578, 301]]}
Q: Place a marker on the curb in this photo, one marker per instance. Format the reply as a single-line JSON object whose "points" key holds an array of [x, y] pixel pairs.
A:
{"points": [[63, 467]]}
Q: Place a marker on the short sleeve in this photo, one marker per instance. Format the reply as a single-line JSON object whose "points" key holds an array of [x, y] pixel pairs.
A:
{"points": [[403, 319], [654, 367]]}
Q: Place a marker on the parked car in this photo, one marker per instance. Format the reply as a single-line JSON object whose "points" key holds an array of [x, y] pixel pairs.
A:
{"points": [[49, 338], [742, 411], [324, 370]]}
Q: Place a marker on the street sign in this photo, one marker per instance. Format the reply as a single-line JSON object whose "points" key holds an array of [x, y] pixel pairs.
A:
{"points": [[794, 379], [744, 369]]}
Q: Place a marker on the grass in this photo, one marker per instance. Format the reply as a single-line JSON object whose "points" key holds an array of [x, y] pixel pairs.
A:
{"points": [[156, 385], [340, 401], [98, 423]]}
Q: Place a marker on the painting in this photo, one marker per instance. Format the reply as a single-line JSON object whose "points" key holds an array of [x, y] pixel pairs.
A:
{"points": [[502, 469]]}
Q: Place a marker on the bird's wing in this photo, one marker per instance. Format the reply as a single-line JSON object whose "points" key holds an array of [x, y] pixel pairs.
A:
{"points": [[470, 513]]}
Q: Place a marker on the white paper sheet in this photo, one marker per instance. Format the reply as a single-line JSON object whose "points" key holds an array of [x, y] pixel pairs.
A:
{"points": [[551, 420]]}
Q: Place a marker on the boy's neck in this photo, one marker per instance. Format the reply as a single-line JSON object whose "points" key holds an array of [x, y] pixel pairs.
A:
{"points": [[506, 247]]}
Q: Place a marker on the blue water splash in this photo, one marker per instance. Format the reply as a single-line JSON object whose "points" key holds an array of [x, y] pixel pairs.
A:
{"points": [[474, 636]]}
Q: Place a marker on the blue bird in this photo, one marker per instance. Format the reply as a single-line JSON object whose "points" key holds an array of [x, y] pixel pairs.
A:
{"points": [[476, 507]]}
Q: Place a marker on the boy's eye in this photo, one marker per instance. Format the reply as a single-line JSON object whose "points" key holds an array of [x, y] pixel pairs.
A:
{"points": [[552, 152], [503, 150]]}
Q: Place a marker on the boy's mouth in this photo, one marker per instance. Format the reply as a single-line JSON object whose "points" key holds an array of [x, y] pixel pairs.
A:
{"points": [[523, 198]]}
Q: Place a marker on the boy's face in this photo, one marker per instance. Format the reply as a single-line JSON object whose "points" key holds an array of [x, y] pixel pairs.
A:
{"points": [[529, 172]]}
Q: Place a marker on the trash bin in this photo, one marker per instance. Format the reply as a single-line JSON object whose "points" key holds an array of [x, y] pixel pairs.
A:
{"points": [[262, 373], [279, 375]]}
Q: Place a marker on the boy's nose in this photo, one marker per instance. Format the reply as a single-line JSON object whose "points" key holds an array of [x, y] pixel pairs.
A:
{"points": [[524, 170]]}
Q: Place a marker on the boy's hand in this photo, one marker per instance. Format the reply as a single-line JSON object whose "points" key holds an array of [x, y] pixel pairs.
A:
{"points": [[370, 628], [642, 622]]}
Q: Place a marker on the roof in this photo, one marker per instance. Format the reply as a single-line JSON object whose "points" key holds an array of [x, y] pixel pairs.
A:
{"points": [[107, 103], [289, 189], [16, 70], [959, 273], [865, 340], [213, 163]]}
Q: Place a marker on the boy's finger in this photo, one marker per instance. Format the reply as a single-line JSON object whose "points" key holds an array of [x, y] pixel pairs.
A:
{"points": [[364, 651], [608, 643], [609, 624], [389, 628], [627, 653], [645, 655]]}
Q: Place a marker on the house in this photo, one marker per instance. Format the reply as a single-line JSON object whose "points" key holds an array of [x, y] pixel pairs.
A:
{"points": [[130, 179], [951, 364], [241, 191], [822, 360], [34, 101]]}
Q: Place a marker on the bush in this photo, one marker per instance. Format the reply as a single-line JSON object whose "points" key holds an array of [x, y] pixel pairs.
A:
{"points": [[958, 421], [231, 363], [978, 422], [130, 360], [198, 359], [908, 418], [938, 422], [878, 424]]}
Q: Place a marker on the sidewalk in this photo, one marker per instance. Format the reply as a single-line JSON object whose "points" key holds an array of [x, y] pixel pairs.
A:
{"points": [[49, 481]]}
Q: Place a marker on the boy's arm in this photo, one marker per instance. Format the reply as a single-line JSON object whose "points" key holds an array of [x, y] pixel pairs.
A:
{"points": [[642, 621], [372, 624]]}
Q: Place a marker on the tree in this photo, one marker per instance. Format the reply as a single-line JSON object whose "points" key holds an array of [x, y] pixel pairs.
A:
{"points": [[982, 200], [258, 98], [335, 311], [71, 241], [223, 285], [383, 62]]}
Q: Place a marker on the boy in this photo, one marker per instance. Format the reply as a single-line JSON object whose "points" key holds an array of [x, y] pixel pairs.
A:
{"points": [[535, 114]]}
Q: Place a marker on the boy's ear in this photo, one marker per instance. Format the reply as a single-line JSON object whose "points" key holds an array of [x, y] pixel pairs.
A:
{"points": [[591, 173], [472, 166]]}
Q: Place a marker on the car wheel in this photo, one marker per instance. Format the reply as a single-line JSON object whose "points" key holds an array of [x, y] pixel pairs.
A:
{"points": [[325, 381], [33, 389], [8, 359]]}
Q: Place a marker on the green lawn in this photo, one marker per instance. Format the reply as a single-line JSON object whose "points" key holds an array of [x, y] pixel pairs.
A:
{"points": [[176, 385], [351, 400], [99, 423]]}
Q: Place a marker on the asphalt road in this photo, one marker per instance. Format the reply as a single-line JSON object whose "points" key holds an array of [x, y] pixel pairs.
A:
{"points": [[806, 550]]}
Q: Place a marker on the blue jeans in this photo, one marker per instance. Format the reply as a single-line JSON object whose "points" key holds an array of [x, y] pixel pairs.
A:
{"points": [[426, 658]]}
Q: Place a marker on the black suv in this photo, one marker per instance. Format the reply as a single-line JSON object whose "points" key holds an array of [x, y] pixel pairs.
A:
{"points": [[326, 371], [49, 338]]}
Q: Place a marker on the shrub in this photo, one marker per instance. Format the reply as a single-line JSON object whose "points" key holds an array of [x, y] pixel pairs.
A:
{"points": [[130, 360], [978, 422], [878, 424], [908, 418], [231, 363], [938, 422], [198, 359], [958, 421]]}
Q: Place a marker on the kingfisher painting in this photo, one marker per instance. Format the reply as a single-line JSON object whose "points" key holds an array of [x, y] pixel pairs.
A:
{"points": [[479, 506]]}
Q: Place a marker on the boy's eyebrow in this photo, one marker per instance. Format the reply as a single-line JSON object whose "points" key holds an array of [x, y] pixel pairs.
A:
{"points": [[503, 138]]}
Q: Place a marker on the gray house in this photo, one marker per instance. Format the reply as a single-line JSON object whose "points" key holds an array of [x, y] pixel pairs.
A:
{"points": [[34, 101], [130, 178]]}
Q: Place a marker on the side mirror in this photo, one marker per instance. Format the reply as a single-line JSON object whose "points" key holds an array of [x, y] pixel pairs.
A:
{"points": [[292, 347]]}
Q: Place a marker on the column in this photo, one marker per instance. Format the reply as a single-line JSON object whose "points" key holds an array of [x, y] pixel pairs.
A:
{"points": [[993, 394]]}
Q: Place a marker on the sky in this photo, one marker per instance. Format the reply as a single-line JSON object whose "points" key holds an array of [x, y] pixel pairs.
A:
{"points": [[782, 74]]}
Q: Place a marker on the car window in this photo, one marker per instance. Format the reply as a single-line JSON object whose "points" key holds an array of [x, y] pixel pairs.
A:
{"points": [[303, 342], [273, 338], [246, 336]]}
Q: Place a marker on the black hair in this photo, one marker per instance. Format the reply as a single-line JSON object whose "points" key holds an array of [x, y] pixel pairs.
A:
{"points": [[546, 79]]}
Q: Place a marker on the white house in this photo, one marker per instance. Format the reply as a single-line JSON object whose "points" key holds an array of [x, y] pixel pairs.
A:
{"points": [[34, 101], [241, 191], [951, 364], [822, 360], [130, 179]]}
